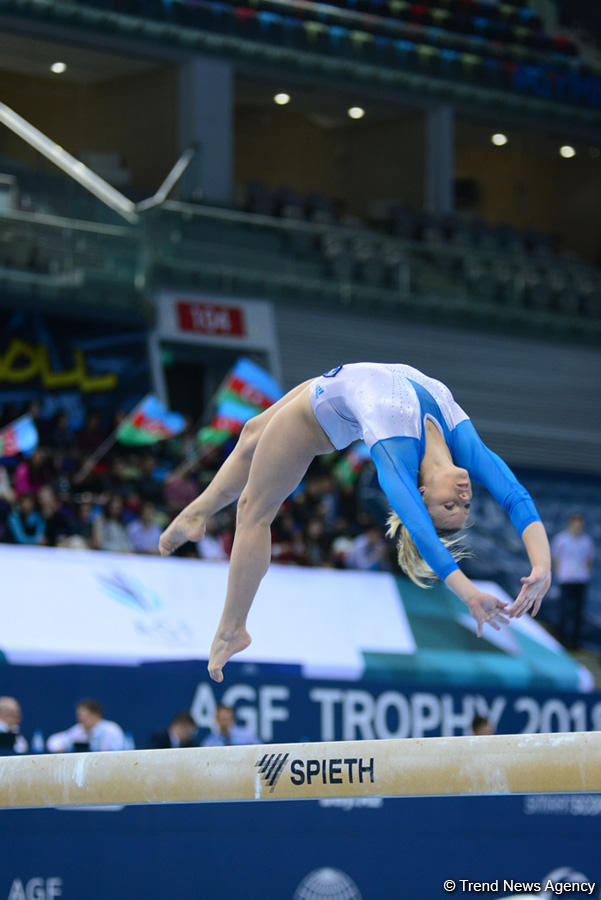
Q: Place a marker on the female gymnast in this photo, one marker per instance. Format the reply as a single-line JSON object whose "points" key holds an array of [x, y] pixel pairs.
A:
{"points": [[425, 450]]}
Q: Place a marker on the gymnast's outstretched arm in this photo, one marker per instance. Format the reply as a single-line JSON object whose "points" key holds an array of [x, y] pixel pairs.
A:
{"points": [[537, 583], [487, 468], [399, 484]]}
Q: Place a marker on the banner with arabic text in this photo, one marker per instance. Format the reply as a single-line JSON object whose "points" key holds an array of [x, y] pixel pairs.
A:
{"points": [[69, 365]]}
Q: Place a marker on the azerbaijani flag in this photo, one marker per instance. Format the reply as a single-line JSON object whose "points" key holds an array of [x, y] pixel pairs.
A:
{"points": [[21, 436], [250, 384], [348, 467], [150, 422], [247, 390]]}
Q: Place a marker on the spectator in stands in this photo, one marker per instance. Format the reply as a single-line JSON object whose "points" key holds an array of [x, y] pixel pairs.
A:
{"points": [[32, 474], [7, 498], [573, 553], [181, 733], [143, 532], [179, 490], [309, 503], [226, 732], [481, 725], [11, 739], [92, 732], [6, 492], [150, 479], [317, 544], [370, 551], [348, 508], [60, 436], [34, 410], [329, 503], [84, 518], [342, 552], [92, 434], [211, 545], [287, 543], [25, 524], [57, 524], [108, 529], [185, 444]]}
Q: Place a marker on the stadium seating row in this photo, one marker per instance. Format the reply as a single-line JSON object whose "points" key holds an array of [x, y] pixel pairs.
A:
{"points": [[502, 46], [495, 274], [403, 222], [504, 24]]}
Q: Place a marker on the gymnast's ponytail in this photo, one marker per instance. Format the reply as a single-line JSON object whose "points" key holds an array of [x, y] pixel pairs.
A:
{"points": [[410, 561]]}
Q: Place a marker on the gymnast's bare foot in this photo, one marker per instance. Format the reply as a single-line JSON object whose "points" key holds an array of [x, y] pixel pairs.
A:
{"points": [[224, 645], [185, 527]]}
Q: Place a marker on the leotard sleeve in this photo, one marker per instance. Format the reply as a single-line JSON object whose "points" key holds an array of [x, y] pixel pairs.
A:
{"points": [[396, 461], [469, 451]]}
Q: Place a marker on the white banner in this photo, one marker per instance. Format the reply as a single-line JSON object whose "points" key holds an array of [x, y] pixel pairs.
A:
{"points": [[70, 606]]}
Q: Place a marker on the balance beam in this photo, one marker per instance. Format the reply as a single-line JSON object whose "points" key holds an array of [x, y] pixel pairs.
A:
{"points": [[424, 767]]}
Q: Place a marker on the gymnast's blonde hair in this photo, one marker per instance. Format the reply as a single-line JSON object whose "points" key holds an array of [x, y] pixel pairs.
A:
{"points": [[410, 560]]}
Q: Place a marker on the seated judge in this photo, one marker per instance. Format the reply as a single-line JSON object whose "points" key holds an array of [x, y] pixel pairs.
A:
{"points": [[181, 733]]}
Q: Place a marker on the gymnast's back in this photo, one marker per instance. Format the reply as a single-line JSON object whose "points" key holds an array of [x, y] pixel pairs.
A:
{"points": [[375, 401]]}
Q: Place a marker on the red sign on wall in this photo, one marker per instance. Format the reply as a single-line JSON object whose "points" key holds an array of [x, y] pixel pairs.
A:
{"points": [[211, 318]]}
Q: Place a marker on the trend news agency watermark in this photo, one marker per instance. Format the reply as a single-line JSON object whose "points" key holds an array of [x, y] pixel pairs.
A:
{"points": [[549, 887]]}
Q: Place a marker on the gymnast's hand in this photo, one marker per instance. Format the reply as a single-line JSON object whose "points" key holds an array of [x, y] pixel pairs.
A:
{"points": [[487, 608], [534, 588]]}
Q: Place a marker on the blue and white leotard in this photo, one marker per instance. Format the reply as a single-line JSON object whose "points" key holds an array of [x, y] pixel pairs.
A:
{"points": [[387, 406]]}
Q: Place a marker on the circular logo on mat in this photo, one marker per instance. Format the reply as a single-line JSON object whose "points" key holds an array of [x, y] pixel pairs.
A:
{"points": [[327, 884]]}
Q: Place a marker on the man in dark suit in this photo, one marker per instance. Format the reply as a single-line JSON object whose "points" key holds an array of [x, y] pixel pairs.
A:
{"points": [[11, 739], [181, 733]]}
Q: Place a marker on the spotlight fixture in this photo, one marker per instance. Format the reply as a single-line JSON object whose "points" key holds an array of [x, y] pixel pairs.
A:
{"points": [[282, 99], [355, 112], [499, 139], [567, 151], [57, 68]]}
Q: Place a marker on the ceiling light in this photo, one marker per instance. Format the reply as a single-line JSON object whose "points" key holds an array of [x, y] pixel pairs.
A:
{"points": [[355, 112], [498, 139], [567, 152], [282, 99], [58, 68]]}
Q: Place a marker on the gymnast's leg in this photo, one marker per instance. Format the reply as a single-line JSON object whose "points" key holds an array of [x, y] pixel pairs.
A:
{"points": [[288, 444], [227, 484]]}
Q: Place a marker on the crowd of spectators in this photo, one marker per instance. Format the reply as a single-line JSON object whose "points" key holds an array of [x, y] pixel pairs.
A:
{"points": [[131, 494]]}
